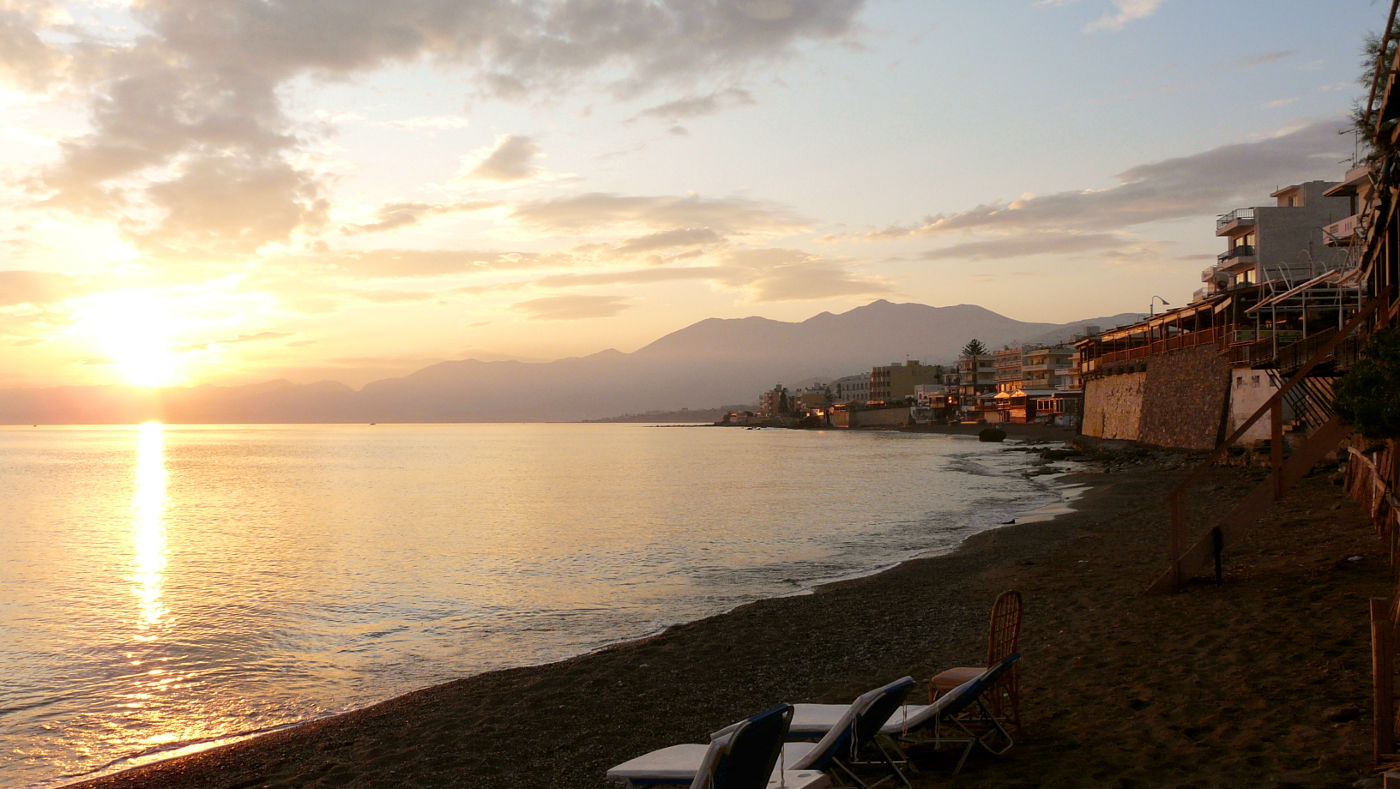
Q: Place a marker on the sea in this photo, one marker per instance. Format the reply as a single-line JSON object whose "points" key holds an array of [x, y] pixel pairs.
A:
{"points": [[164, 589]]}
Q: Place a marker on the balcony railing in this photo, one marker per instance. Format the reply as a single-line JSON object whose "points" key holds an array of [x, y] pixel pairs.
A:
{"points": [[1284, 336], [1341, 232], [1184, 340], [1240, 251], [1237, 215]]}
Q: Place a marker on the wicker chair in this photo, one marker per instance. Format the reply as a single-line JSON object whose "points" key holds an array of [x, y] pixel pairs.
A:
{"points": [[1005, 697]]}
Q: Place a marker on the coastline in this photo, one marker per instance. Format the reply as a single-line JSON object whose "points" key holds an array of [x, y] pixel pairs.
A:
{"points": [[1097, 656]]}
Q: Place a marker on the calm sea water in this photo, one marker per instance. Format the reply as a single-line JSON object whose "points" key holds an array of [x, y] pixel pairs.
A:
{"points": [[162, 588]]}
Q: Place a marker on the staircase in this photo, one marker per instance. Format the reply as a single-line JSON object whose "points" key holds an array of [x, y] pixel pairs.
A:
{"points": [[1311, 400]]}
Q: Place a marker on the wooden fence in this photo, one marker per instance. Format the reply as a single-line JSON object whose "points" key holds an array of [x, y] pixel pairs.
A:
{"points": [[1372, 479]]}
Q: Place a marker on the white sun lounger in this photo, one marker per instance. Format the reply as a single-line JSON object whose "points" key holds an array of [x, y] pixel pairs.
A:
{"points": [[743, 755], [919, 723]]}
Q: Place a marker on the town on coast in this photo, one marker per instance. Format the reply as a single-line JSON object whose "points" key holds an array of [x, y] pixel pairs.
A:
{"points": [[1220, 607]]}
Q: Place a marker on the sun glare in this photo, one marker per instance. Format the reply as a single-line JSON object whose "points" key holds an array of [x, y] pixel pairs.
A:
{"points": [[134, 331]]}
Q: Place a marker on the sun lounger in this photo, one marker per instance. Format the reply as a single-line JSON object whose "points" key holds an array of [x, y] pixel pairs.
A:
{"points": [[742, 755], [921, 723], [850, 730]]}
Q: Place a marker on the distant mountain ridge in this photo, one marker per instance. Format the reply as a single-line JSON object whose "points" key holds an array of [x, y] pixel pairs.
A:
{"points": [[713, 361]]}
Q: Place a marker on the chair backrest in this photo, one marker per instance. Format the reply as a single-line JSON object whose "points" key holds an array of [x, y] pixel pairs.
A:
{"points": [[1006, 626], [752, 751], [861, 721]]}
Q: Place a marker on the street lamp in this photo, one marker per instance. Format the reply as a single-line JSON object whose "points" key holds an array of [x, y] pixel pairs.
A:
{"points": [[1153, 302]]}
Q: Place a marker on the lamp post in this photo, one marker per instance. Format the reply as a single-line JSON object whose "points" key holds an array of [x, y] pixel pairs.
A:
{"points": [[1153, 302]]}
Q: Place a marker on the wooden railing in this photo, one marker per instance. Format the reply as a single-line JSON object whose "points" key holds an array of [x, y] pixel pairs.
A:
{"points": [[1173, 343], [1372, 483], [1187, 562]]}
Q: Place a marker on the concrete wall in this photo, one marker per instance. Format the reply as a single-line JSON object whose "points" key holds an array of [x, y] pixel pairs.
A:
{"points": [[1292, 238], [1178, 401], [1113, 406], [874, 417], [1248, 390]]}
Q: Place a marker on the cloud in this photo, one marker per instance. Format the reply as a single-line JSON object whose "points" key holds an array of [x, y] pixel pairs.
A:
{"points": [[396, 215], [569, 308], [770, 275], [670, 239], [27, 62], [200, 92], [37, 288], [1023, 244], [430, 123], [1276, 103], [634, 277], [695, 106], [411, 263], [512, 159], [1265, 58], [229, 205], [1125, 11], [1189, 186], [598, 211], [241, 339]]}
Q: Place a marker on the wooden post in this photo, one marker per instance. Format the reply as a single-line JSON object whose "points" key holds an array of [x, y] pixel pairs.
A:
{"points": [[1382, 678], [1276, 446], [1174, 539]]}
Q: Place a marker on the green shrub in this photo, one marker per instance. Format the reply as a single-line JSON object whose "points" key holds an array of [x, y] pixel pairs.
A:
{"points": [[1368, 396]]}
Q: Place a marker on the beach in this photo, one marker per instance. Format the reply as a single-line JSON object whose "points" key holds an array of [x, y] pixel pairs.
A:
{"points": [[1261, 680]]}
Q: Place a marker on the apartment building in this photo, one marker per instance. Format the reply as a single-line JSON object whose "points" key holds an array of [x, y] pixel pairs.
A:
{"points": [[1282, 244], [1049, 367], [977, 375], [851, 389], [894, 382], [1008, 362]]}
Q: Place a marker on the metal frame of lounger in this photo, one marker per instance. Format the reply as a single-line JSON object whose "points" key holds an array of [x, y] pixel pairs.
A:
{"points": [[922, 724], [949, 708], [751, 747], [858, 725]]}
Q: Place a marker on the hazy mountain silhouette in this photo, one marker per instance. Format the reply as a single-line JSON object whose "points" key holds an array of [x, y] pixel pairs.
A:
{"points": [[713, 361]]}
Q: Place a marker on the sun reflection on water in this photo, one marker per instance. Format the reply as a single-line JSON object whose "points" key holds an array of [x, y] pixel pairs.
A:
{"points": [[148, 531]]}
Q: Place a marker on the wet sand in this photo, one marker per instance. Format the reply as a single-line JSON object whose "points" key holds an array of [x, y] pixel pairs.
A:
{"points": [[1261, 680]]}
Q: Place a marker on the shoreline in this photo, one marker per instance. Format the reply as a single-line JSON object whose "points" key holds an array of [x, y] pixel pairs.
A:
{"points": [[1263, 675], [1027, 444]]}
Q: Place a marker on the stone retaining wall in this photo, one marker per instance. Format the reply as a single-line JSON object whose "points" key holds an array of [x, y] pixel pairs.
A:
{"points": [[1179, 400]]}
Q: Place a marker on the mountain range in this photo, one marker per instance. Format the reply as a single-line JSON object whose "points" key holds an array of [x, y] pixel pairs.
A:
{"points": [[705, 364]]}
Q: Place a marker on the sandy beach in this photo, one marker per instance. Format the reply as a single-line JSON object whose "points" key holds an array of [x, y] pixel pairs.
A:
{"points": [[1261, 680]]}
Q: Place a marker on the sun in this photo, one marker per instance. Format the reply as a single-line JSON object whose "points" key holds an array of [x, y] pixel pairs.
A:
{"points": [[134, 330]]}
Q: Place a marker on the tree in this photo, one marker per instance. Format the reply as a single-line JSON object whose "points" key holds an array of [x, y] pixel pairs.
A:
{"points": [[974, 348], [1366, 395], [1377, 55]]}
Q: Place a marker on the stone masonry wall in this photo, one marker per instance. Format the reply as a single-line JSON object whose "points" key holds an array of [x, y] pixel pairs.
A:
{"points": [[1113, 406], [1185, 399]]}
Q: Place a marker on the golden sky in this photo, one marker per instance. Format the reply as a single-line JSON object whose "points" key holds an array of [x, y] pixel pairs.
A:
{"points": [[231, 191]]}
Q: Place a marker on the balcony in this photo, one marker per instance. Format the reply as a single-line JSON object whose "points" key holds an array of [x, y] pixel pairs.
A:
{"points": [[1213, 274], [1241, 258], [1342, 233], [1235, 221], [1250, 336]]}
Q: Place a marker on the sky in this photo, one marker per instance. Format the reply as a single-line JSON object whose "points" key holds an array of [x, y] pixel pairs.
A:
{"points": [[236, 191]]}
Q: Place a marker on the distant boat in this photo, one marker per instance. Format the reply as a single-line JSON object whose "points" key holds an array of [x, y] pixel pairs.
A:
{"points": [[991, 434]]}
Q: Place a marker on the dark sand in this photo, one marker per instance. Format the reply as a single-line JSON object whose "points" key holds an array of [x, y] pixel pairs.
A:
{"points": [[1263, 680]]}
